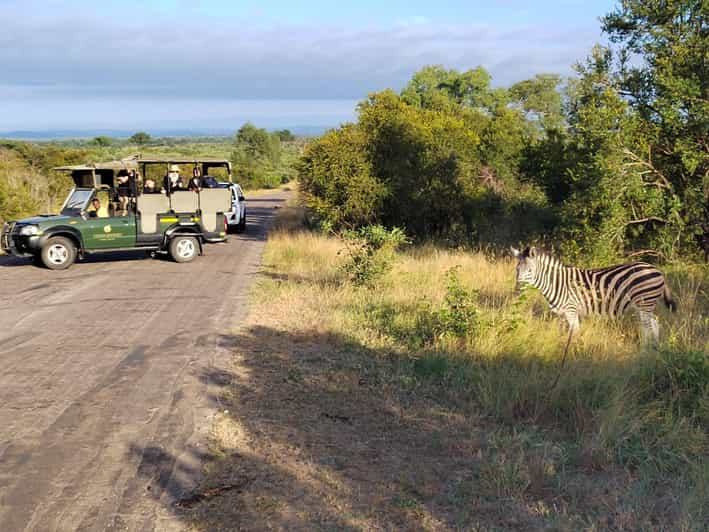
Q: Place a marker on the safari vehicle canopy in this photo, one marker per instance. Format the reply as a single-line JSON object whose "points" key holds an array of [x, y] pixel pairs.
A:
{"points": [[110, 209]]}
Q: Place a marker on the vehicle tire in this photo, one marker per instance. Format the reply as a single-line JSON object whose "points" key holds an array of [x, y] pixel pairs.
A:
{"points": [[242, 225], [183, 248], [58, 253]]}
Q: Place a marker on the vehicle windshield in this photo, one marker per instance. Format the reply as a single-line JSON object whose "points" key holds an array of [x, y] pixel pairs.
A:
{"points": [[76, 202]]}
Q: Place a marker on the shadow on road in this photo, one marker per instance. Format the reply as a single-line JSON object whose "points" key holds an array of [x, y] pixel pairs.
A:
{"points": [[9, 261], [312, 435]]}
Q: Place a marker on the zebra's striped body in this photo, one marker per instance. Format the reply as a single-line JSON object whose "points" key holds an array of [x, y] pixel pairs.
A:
{"points": [[575, 292]]}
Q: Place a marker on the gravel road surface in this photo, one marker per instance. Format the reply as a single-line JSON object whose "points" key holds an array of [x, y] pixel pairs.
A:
{"points": [[109, 379]]}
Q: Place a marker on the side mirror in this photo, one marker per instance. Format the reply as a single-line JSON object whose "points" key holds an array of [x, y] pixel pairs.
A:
{"points": [[242, 198]]}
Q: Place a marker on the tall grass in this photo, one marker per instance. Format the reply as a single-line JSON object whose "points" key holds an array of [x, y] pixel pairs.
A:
{"points": [[616, 404]]}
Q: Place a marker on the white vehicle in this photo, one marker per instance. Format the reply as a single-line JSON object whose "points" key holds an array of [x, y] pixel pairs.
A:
{"points": [[236, 217]]}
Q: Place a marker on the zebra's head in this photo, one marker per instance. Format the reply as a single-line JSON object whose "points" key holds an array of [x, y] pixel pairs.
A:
{"points": [[526, 265]]}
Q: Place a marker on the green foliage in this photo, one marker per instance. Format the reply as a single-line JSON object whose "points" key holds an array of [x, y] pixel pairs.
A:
{"points": [[427, 161], [539, 97], [285, 135], [255, 143], [621, 160], [434, 87], [141, 138], [680, 380], [635, 165], [441, 160], [102, 141], [26, 188], [336, 178], [256, 157], [370, 252], [459, 315]]}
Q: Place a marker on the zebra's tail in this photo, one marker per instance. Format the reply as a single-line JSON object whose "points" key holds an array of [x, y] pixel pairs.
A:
{"points": [[667, 297]]}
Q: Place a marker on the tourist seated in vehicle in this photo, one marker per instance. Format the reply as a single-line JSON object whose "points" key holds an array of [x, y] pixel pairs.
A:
{"points": [[172, 180], [195, 184], [149, 187], [209, 181]]}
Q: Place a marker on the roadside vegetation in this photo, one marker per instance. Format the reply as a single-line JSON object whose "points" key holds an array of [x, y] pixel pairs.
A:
{"points": [[611, 163], [415, 390]]}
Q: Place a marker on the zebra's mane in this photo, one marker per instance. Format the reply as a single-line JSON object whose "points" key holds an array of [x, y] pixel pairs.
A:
{"points": [[550, 261]]}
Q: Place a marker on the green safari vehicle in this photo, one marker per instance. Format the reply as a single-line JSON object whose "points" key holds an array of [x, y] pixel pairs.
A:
{"points": [[110, 208]]}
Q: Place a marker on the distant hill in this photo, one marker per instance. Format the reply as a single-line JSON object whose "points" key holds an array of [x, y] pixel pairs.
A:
{"points": [[65, 134]]}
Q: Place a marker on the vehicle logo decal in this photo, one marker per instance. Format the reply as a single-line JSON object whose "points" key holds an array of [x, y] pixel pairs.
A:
{"points": [[106, 228]]}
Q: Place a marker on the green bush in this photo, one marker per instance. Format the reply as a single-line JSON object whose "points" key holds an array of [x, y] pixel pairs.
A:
{"points": [[459, 315], [370, 252]]}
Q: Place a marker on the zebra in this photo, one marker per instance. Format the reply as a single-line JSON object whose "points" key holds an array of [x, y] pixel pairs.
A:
{"points": [[574, 292]]}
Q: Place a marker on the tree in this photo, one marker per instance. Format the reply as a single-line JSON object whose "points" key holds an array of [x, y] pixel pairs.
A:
{"points": [[285, 135], [661, 50], [434, 87], [22, 190], [141, 138], [256, 143], [336, 177], [102, 141], [540, 98], [256, 156]]}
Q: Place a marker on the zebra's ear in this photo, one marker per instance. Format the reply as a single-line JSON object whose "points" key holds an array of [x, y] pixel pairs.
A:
{"points": [[531, 252], [515, 252]]}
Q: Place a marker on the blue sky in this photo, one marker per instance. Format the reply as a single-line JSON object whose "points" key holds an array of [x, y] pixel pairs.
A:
{"points": [[214, 64]]}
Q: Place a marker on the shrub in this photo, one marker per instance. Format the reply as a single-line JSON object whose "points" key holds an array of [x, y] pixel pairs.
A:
{"points": [[459, 316], [370, 252]]}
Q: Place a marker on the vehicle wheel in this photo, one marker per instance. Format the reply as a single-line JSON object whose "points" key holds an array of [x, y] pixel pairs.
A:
{"points": [[183, 248], [58, 253], [242, 225]]}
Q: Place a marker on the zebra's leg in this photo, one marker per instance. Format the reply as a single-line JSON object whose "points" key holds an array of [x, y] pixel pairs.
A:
{"points": [[572, 318], [649, 327]]}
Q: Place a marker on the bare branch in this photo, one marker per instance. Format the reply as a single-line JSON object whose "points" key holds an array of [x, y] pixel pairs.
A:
{"points": [[648, 219], [662, 181]]}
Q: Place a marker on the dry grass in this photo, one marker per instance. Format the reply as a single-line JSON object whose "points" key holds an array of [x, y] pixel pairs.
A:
{"points": [[344, 415]]}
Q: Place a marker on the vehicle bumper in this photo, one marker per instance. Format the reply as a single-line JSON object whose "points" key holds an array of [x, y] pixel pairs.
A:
{"points": [[216, 236], [15, 244], [215, 239]]}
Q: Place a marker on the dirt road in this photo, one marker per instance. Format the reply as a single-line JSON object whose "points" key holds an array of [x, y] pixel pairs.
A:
{"points": [[108, 381]]}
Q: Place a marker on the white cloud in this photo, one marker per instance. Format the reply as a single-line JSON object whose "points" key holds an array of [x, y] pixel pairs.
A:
{"points": [[56, 52]]}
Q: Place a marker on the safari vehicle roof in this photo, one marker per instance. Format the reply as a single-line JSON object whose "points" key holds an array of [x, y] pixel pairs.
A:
{"points": [[183, 160], [134, 162], [124, 164]]}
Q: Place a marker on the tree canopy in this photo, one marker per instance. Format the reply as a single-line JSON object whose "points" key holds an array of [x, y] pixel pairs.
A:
{"points": [[141, 138], [611, 162]]}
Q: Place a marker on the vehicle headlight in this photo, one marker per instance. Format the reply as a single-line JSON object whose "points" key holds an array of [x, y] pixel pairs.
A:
{"points": [[28, 230]]}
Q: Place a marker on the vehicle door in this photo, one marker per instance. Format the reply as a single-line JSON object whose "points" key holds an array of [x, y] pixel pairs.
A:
{"points": [[105, 231], [235, 204]]}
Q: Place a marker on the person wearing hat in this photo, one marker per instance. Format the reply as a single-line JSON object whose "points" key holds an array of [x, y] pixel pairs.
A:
{"points": [[172, 180]]}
